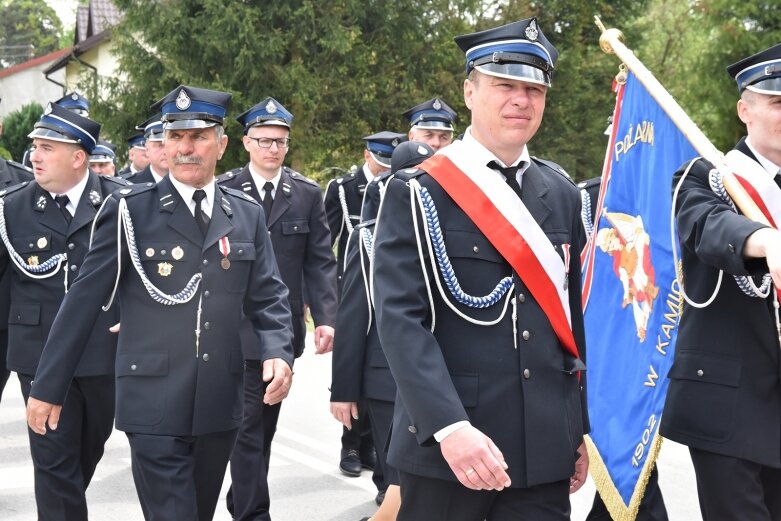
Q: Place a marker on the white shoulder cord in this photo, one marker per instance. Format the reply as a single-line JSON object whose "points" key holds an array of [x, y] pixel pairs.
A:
{"points": [[673, 235], [366, 272], [414, 186], [31, 270], [415, 192], [345, 211], [124, 222]]}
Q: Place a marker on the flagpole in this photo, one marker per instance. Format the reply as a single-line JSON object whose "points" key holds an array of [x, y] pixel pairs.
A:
{"points": [[611, 43]]}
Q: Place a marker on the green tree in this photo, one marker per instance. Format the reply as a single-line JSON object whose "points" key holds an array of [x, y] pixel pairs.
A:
{"points": [[28, 28], [16, 126]]}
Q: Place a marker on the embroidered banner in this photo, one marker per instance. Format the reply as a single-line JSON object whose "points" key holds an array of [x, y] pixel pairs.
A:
{"points": [[632, 302]]}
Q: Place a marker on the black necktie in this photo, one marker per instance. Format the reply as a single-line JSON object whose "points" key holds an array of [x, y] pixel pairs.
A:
{"points": [[200, 216], [267, 199], [509, 174], [62, 201]]}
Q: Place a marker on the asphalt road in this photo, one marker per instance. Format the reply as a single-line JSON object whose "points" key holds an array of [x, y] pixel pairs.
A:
{"points": [[305, 482]]}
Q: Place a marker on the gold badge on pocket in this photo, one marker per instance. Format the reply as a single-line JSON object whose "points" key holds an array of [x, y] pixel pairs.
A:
{"points": [[164, 269], [32, 260]]}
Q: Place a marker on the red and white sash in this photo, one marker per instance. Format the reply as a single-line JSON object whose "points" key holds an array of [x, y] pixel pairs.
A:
{"points": [[507, 224], [758, 183]]}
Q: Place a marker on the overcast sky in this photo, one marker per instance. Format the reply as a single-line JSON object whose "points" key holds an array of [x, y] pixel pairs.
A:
{"points": [[66, 10]]}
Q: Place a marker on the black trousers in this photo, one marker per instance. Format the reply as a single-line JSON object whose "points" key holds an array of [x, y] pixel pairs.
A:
{"points": [[651, 506], [64, 460], [248, 497], [732, 489], [430, 499], [360, 438], [381, 414], [178, 478]]}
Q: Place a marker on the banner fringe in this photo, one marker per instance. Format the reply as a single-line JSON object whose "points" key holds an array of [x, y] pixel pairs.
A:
{"points": [[619, 510]]}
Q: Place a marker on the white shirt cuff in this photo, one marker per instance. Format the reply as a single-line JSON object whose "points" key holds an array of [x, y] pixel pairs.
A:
{"points": [[450, 429]]}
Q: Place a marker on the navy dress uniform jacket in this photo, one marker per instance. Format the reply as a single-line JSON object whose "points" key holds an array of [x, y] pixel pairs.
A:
{"points": [[725, 391], [168, 381], [301, 240], [354, 186], [528, 400], [359, 368], [37, 231]]}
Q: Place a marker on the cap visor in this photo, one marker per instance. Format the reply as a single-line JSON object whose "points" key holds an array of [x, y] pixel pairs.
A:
{"points": [[434, 125], [52, 135], [771, 86], [515, 71], [184, 124], [382, 161]]}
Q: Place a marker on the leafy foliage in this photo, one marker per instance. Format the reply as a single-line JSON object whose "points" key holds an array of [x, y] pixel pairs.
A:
{"points": [[16, 126], [28, 28]]}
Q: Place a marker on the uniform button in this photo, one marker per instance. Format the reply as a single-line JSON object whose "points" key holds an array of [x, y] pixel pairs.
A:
{"points": [[206, 294], [295, 228], [527, 374], [700, 372], [133, 367], [241, 252], [731, 248], [71, 246], [269, 232], [521, 298], [163, 252], [205, 262], [475, 249], [206, 357], [412, 429], [74, 267], [30, 245], [526, 335], [207, 325]]}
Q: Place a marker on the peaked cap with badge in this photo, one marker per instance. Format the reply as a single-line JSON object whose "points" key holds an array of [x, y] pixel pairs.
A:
{"points": [[381, 145], [60, 124], [136, 140], [433, 114], [104, 152], [760, 72], [267, 112], [75, 102], [152, 128], [518, 51], [192, 107]]}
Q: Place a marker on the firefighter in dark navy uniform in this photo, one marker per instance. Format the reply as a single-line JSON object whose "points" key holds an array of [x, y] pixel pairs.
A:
{"points": [[724, 400], [157, 168], [359, 370], [298, 228], [136, 154], [45, 236], [478, 305], [191, 259], [344, 198]]}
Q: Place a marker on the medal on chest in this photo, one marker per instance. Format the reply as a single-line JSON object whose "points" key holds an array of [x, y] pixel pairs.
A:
{"points": [[225, 249]]}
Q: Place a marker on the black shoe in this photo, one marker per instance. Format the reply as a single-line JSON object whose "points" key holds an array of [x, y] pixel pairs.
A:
{"points": [[379, 498], [369, 459], [351, 463], [364, 519]]}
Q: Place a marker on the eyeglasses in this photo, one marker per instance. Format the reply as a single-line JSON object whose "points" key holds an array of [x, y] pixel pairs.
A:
{"points": [[266, 142]]}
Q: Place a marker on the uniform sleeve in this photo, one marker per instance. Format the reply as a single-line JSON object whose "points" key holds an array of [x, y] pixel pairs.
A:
{"points": [[710, 228], [320, 267], [80, 310], [403, 319], [266, 304], [352, 322], [333, 211]]}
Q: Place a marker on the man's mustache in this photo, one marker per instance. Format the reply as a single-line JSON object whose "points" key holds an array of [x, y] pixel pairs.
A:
{"points": [[187, 160]]}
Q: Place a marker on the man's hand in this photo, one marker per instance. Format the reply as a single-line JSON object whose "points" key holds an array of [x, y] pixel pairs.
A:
{"points": [[766, 242], [475, 460], [114, 328], [324, 339], [345, 412], [581, 470], [39, 413], [276, 371]]}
